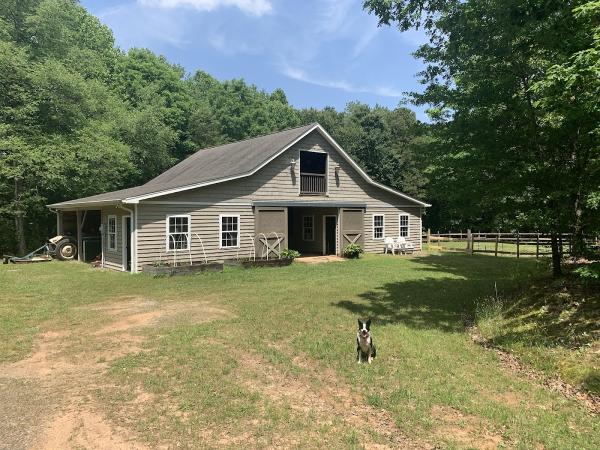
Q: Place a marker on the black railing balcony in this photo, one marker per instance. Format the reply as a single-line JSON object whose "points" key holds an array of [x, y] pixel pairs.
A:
{"points": [[313, 183]]}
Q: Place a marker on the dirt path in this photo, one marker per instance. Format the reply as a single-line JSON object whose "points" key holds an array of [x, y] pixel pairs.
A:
{"points": [[48, 398], [321, 395]]}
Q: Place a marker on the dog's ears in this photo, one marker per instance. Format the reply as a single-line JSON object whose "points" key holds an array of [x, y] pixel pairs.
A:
{"points": [[368, 323], [359, 324]]}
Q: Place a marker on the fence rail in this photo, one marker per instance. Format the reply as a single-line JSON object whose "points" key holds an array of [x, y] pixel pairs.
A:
{"points": [[515, 244]]}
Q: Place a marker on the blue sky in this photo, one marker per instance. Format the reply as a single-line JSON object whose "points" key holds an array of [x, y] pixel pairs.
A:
{"points": [[322, 53]]}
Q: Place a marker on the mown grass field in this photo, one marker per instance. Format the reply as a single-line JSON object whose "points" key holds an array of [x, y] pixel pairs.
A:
{"points": [[265, 357]]}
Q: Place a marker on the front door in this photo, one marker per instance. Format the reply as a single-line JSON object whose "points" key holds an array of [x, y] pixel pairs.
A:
{"points": [[330, 235], [127, 242]]}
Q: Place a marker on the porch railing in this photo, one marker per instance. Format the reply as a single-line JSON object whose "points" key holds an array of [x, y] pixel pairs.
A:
{"points": [[313, 183]]}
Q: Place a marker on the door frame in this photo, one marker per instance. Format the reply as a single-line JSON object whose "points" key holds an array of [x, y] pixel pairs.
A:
{"points": [[124, 248], [325, 232]]}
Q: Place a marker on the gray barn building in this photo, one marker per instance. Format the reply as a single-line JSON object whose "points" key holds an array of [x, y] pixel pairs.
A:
{"points": [[296, 186]]}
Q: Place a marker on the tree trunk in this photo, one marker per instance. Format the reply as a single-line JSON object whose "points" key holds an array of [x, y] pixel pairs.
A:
{"points": [[556, 268], [19, 219]]}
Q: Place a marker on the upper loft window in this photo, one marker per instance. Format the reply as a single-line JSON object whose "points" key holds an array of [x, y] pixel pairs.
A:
{"points": [[313, 173]]}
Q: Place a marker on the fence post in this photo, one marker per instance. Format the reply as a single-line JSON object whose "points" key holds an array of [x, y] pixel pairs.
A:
{"points": [[428, 237], [469, 241], [497, 239], [518, 254], [560, 244], [537, 246]]}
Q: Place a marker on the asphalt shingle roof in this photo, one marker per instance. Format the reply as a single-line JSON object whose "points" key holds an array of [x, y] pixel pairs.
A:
{"points": [[205, 166]]}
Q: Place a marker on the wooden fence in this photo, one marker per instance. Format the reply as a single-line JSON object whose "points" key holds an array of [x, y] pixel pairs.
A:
{"points": [[511, 244]]}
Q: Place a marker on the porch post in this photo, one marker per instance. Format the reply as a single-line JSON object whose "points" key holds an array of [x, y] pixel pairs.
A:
{"points": [[59, 223], [79, 249]]}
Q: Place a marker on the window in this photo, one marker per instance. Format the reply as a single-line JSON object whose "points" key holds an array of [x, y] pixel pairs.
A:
{"points": [[178, 232], [313, 173], [111, 233], [313, 162], [230, 231], [403, 225], [378, 226], [308, 228]]}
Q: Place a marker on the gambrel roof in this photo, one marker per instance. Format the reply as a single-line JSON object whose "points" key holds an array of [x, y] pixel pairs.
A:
{"points": [[217, 165]]}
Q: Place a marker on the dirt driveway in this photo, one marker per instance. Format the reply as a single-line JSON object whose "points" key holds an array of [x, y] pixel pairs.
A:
{"points": [[48, 398], [52, 402]]}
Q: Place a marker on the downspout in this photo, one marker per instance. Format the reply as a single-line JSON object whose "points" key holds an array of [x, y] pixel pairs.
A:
{"points": [[133, 240]]}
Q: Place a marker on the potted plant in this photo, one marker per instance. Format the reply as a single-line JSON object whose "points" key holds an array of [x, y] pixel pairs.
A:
{"points": [[352, 251]]}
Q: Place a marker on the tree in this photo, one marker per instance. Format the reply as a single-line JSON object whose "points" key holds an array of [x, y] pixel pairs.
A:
{"points": [[495, 154]]}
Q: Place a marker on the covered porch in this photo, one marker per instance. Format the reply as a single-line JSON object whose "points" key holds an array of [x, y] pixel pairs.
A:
{"points": [[313, 227], [83, 228], [98, 232]]}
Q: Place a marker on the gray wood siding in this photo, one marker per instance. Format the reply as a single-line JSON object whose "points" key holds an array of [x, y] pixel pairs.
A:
{"points": [[392, 227], [152, 232]]}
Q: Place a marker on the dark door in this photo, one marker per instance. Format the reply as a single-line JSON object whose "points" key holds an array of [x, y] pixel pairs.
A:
{"points": [[330, 222], [128, 242]]}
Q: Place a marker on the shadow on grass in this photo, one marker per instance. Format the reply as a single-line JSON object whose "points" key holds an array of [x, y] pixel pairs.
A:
{"points": [[564, 314], [437, 301]]}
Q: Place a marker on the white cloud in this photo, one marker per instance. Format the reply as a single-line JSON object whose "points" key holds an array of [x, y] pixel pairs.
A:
{"points": [[252, 7], [364, 41], [300, 75], [144, 27]]}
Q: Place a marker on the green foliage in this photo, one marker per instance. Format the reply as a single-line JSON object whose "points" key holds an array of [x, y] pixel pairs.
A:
{"points": [[589, 272], [352, 251], [513, 87], [287, 253], [78, 116]]}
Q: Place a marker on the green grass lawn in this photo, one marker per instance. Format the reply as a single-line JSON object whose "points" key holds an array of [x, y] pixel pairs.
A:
{"points": [[278, 367]]}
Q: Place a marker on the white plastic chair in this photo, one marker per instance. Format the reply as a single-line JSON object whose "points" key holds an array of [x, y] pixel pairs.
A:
{"points": [[404, 246], [389, 245]]}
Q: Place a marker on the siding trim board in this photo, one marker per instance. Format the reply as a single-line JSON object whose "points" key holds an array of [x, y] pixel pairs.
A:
{"points": [[182, 203], [310, 204]]}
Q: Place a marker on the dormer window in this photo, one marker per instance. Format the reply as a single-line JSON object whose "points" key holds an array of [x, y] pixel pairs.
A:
{"points": [[313, 173]]}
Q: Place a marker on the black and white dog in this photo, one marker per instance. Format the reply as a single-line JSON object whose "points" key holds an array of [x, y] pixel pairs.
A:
{"points": [[365, 348]]}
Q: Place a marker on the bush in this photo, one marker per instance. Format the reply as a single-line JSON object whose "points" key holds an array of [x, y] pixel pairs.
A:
{"points": [[288, 253], [589, 273], [353, 251], [160, 263]]}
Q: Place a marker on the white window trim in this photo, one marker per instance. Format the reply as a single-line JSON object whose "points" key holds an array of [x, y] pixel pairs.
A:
{"points": [[239, 231], [167, 234], [313, 229], [108, 247], [407, 224], [383, 226]]}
